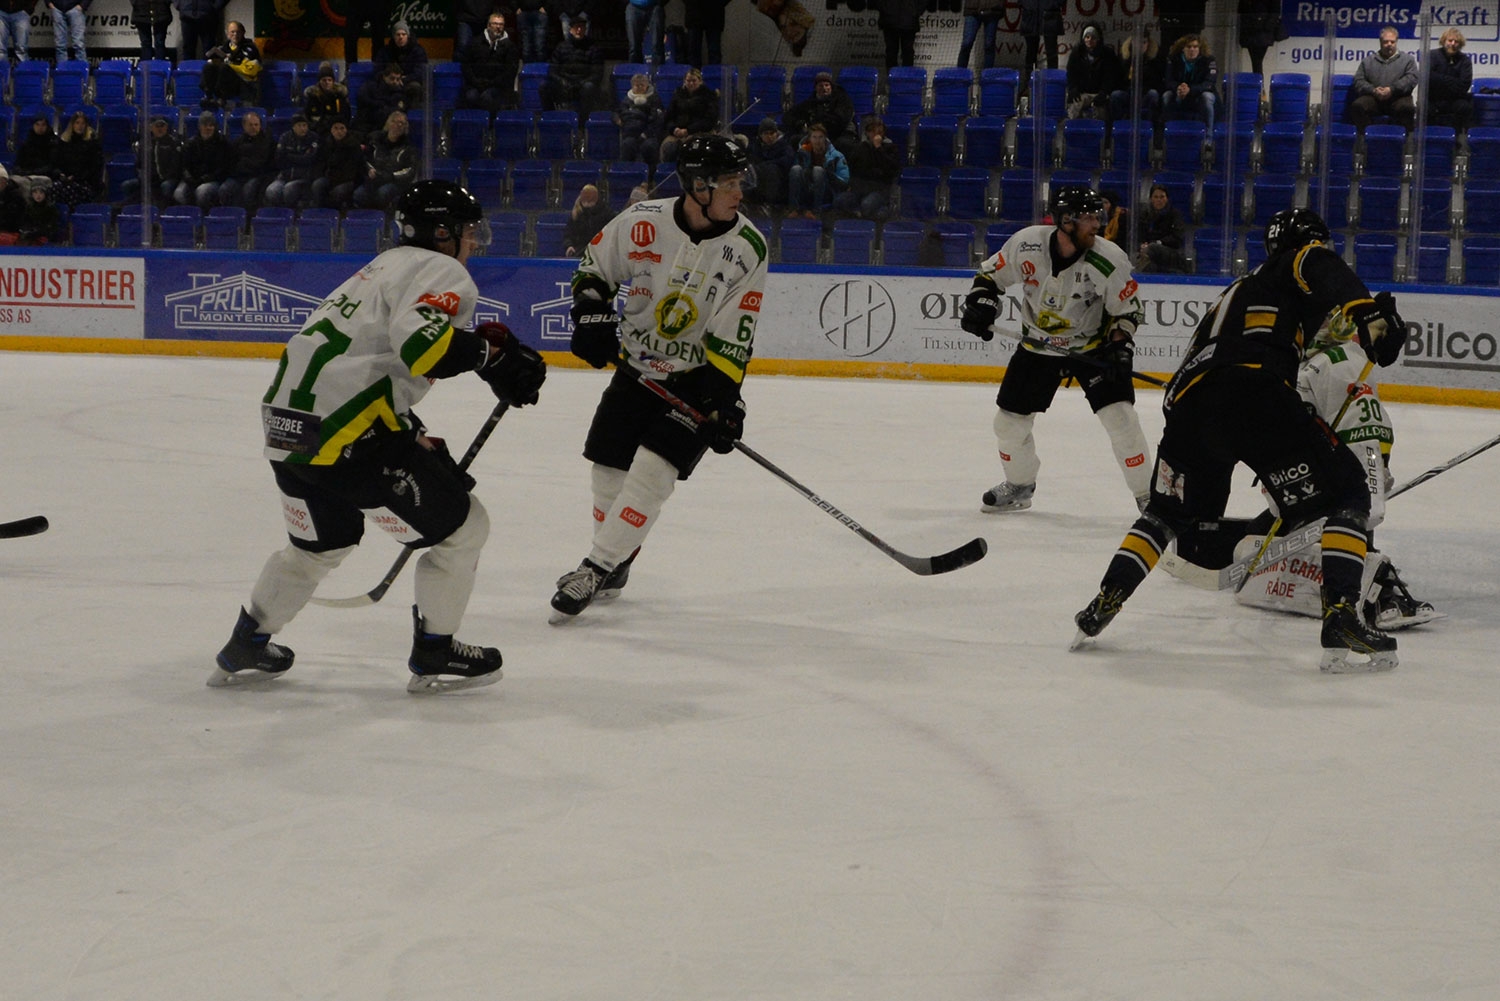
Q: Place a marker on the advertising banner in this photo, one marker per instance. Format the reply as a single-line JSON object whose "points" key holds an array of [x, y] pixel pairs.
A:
{"points": [[292, 29], [72, 297]]}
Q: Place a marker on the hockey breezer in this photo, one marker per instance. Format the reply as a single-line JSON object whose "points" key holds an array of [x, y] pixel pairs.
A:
{"points": [[970, 552], [1082, 356], [22, 527]]}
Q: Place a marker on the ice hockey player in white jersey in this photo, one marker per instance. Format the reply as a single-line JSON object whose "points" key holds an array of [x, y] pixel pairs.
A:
{"points": [[695, 269], [1079, 313], [343, 441]]}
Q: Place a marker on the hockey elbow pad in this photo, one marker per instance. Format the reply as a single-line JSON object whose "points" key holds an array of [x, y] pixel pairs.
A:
{"points": [[981, 306]]}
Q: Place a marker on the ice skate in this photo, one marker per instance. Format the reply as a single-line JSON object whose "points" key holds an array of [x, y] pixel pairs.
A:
{"points": [[249, 656], [1345, 633], [1099, 613], [1397, 608], [441, 663], [614, 581], [1007, 497], [576, 590]]}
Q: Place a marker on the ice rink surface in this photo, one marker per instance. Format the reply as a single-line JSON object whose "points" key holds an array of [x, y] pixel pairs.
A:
{"points": [[778, 768]]}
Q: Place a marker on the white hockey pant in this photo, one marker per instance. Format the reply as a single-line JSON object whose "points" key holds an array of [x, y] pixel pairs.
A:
{"points": [[1123, 425], [627, 504], [287, 581], [445, 573], [1017, 447]]}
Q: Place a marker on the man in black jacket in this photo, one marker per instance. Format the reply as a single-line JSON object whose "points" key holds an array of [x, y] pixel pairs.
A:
{"points": [[490, 64], [874, 166], [829, 106], [575, 76]]}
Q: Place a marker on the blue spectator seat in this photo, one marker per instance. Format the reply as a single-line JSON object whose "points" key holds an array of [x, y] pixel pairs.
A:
{"points": [[1049, 94], [1018, 196], [468, 132], [119, 127], [861, 82], [1083, 143], [952, 88], [117, 170], [551, 233], [1223, 202], [1132, 144], [1482, 205], [853, 241], [28, 82], [1232, 150], [899, 242], [1486, 106], [70, 81], [995, 235], [800, 240], [1385, 149], [898, 129], [422, 131], [554, 134], [1438, 144], [575, 174], [668, 80], [1122, 183], [151, 79], [223, 226], [1281, 148], [7, 124], [281, 121], [725, 78], [1379, 203], [1482, 261], [90, 221], [268, 229], [179, 227], [621, 177], [1069, 175], [187, 83], [278, 80], [1339, 86], [905, 91], [957, 239], [355, 76], [513, 135], [1436, 210], [447, 168], [803, 80], [765, 91], [1341, 139], [1432, 259], [919, 189], [1179, 185], [529, 82], [668, 185], [968, 192], [1336, 212], [314, 229], [129, 230], [486, 182], [601, 136], [937, 136], [984, 141], [619, 81], [1374, 256], [1271, 193], [530, 184], [997, 91], [1484, 151], [1213, 251], [1291, 97], [1029, 142], [448, 83], [1241, 98], [507, 230], [361, 229]]}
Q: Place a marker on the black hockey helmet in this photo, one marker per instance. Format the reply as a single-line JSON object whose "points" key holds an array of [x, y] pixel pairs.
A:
{"points": [[431, 211], [710, 156], [1293, 228], [1075, 200]]}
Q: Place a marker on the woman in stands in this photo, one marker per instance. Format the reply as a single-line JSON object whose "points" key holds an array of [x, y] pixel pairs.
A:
{"points": [[78, 164]]}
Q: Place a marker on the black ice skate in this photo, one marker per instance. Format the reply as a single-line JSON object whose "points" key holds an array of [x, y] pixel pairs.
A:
{"points": [[614, 581], [1396, 608], [1345, 633], [249, 656], [442, 664], [1099, 613], [1007, 497], [576, 590]]}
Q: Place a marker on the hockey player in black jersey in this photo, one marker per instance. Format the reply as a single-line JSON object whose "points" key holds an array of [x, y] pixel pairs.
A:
{"points": [[1234, 399]]}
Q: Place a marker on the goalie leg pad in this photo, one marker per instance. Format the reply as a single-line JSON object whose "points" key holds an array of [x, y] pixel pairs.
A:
{"points": [[287, 581], [1132, 451], [445, 572], [646, 487], [1017, 446]]}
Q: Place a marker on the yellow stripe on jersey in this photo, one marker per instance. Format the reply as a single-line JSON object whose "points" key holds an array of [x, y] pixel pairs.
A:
{"points": [[1297, 266], [434, 354], [1338, 541], [1260, 318], [726, 366], [378, 410], [1142, 548]]}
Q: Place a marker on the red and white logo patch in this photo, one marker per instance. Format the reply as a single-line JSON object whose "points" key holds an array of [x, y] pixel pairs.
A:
{"points": [[598, 239], [446, 301], [1129, 290], [633, 516], [1028, 269], [751, 302], [598, 515], [1136, 460], [643, 234]]}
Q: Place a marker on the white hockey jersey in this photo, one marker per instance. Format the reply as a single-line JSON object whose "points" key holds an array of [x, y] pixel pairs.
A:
{"points": [[1071, 310], [686, 302], [363, 356]]}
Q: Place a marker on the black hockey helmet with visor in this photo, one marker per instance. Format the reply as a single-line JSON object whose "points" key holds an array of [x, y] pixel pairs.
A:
{"points": [[432, 211], [1071, 201], [1290, 229], [710, 157]]}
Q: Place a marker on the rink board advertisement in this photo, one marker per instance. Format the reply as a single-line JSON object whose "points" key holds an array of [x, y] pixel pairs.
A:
{"points": [[899, 322]]}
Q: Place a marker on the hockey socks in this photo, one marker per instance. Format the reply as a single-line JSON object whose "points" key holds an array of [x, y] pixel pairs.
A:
{"points": [[1135, 559]]}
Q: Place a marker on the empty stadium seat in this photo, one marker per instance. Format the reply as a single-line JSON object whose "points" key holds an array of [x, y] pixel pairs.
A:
{"points": [[1338, 98], [1379, 203], [853, 241], [468, 133], [1481, 260], [1018, 192], [1133, 145], [968, 192], [1291, 97], [1182, 145], [919, 189], [905, 90], [223, 226], [725, 78], [1213, 251], [554, 134], [361, 230], [187, 83], [951, 90], [1385, 150], [1281, 148], [1374, 256], [937, 137], [513, 134], [957, 240], [447, 168], [1232, 149], [984, 141], [669, 77], [314, 229], [997, 91], [1336, 212], [1438, 145], [1271, 194], [861, 83], [151, 79], [179, 227], [29, 82], [1484, 152], [1435, 214], [118, 169], [899, 242], [486, 181], [551, 234], [134, 229], [800, 240], [1432, 259], [765, 87], [448, 83], [1034, 142], [507, 230], [995, 235], [621, 177], [575, 174], [1083, 143], [119, 127], [530, 184], [601, 136], [530, 80], [278, 82], [1223, 201], [70, 80], [1241, 98], [1340, 139], [90, 221], [1049, 94]]}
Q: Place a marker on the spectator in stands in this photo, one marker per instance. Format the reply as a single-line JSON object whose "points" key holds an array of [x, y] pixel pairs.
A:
{"points": [[694, 109], [197, 26], [78, 164], [704, 21], [68, 19], [207, 161], [358, 13], [771, 157], [570, 10], [1260, 22], [829, 106], [642, 27], [490, 65], [639, 193], [1161, 236], [1153, 70], [1192, 90], [575, 77], [819, 171], [298, 164], [1450, 75], [531, 25], [254, 164], [1116, 228], [161, 160], [12, 209], [343, 168], [1040, 20], [151, 18], [232, 72], [15, 28], [874, 166], [380, 95], [1094, 74], [1383, 85], [899, 22], [326, 101], [36, 153], [405, 51], [639, 116], [42, 220], [590, 213], [980, 14], [391, 165]]}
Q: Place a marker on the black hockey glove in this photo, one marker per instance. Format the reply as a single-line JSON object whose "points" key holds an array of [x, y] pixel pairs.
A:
{"points": [[1382, 332], [724, 427], [596, 332], [439, 448], [515, 372], [717, 397], [981, 306], [1120, 355]]}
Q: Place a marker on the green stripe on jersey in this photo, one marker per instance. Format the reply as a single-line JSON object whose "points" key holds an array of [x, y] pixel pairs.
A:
{"points": [[1100, 263], [757, 243]]}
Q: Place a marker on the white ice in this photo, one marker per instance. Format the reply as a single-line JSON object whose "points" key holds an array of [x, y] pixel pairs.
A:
{"points": [[779, 766]]}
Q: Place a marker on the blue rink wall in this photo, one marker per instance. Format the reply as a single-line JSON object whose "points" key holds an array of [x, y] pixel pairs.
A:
{"points": [[891, 322]]}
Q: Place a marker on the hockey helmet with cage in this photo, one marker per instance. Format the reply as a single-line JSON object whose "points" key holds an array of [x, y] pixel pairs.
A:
{"points": [[709, 157], [1290, 229], [1075, 200], [432, 211]]}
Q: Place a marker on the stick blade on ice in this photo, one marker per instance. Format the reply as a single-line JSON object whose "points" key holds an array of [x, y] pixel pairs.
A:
{"points": [[34, 525]]}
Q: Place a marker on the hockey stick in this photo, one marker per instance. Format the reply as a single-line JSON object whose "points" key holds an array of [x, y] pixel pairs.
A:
{"points": [[377, 592], [36, 525], [1444, 467], [970, 552], [1042, 347]]}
